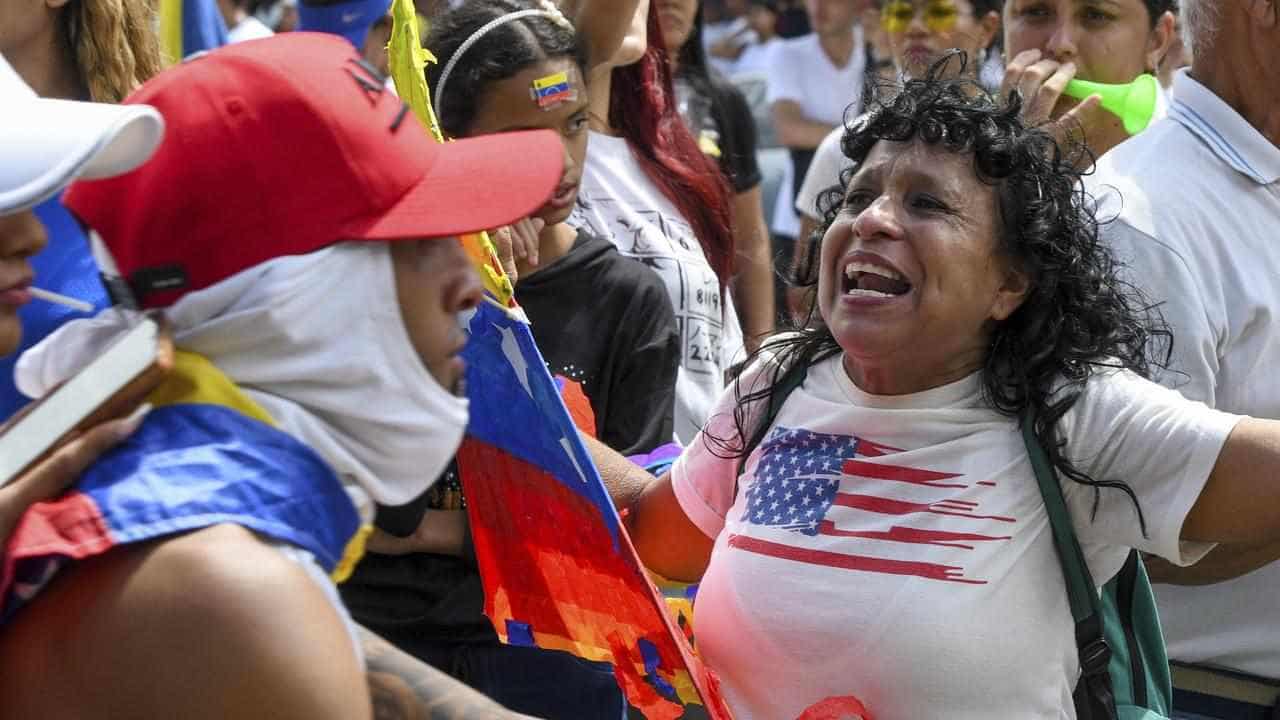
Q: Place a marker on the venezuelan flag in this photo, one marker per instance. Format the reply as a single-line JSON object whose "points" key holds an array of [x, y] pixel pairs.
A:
{"points": [[558, 569], [205, 455]]}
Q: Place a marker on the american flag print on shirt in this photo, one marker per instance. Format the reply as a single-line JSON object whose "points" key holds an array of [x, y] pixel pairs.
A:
{"points": [[798, 483]]}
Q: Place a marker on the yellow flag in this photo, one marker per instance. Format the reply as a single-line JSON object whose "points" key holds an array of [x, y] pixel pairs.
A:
{"points": [[408, 62]]}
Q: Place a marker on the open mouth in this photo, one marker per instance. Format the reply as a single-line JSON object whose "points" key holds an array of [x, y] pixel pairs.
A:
{"points": [[864, 279]]}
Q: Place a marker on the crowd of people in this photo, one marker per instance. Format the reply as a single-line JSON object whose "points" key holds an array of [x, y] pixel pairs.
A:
{"points": [[975, 277]]}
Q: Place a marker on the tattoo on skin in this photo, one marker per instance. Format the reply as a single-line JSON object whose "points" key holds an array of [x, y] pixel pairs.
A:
{"points": [[405, 688]]}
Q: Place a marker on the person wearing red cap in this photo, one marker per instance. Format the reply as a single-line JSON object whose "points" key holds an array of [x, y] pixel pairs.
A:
{"points": [[317, 374]]}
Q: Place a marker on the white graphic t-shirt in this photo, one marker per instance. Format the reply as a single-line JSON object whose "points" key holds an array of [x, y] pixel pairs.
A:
{"points": [[895, 549], [617, 201]]}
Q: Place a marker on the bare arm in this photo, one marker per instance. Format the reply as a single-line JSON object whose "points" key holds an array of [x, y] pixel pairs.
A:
{"points": [[602, 25], [665, 538], [405, 688], [1240, 503], [667, 541], [623, 479], [753, 285], [1225, 562], [794, 129]]}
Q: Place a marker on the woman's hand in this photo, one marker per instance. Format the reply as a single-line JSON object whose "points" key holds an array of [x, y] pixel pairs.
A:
{"points": [[1041, 82], [517, 244], [55, 473]]}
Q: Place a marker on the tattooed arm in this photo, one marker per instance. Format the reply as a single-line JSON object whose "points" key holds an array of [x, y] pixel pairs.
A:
{"points": [[405, 688]]}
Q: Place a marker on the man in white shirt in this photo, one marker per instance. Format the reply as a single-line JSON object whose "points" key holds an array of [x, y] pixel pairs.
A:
{"points": [[812, 81], [1197, 201]]}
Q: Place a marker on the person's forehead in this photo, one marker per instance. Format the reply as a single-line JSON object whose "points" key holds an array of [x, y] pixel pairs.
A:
{"points": [[917, 160], [513, 102], [1085, 3]]}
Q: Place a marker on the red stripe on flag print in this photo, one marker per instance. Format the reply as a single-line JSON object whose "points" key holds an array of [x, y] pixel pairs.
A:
{"points": [[915, 476], [888, 506], [929, 571], [914, 536], [867, 448]]}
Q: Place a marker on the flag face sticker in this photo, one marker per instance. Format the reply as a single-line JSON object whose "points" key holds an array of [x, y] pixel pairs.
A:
{"points": [[814, 485], [552, 90]]}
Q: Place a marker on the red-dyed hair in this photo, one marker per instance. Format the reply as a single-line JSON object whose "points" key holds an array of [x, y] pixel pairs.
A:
{"points": [[642, 107]]}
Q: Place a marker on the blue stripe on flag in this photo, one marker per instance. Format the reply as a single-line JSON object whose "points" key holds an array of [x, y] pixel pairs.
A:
{"points": [[192, 465], [516, 407]]}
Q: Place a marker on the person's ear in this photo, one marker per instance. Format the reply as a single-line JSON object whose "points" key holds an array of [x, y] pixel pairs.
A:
{"points": [[1011, 294], [1159, 41]]}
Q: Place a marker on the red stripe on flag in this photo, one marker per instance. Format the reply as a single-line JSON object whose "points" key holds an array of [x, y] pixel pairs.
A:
{"points": [[889, 506], [914, 536], [71, 526], [866, 448], [548, 559], [929, 571], [915, 476]]}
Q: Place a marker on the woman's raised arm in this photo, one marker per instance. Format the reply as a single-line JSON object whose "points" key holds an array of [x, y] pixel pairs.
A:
{"points": [[665, 538], [1240, 503], [604, 24]]}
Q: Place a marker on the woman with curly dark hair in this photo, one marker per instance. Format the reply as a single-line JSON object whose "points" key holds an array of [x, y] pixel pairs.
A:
{"points": [[878, 538]]}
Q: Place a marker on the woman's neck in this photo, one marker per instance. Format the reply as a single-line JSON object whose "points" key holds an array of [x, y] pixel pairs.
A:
{"points": [[554, 242], [899, 378], [48, 65]]}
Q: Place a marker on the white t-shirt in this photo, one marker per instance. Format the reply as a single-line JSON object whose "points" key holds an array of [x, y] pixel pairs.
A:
{"points": [[251, 28], [713, 33], [896, 548], [756, 58], [618, 201], [801, 72], [1198, 198], [824, 171]]}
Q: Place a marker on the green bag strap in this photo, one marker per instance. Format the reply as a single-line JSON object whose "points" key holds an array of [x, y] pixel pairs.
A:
{"points": [[1094, 697]]}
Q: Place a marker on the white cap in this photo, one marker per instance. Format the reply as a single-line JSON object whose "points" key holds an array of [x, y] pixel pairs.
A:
{"points": [[45, 144]]}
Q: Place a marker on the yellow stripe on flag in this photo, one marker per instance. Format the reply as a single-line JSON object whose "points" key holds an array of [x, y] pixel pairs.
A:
{"points": [[170, 31]]}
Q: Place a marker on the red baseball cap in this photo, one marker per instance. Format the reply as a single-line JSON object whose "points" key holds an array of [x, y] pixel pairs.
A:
{"points": [[285, 145]]}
